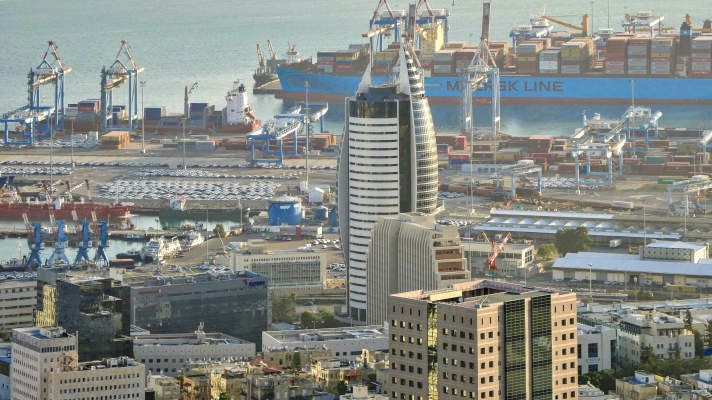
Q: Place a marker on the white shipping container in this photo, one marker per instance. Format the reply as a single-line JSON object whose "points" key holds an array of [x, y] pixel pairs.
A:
{"points": [[442, 68], [701, 65], [548, 65]]}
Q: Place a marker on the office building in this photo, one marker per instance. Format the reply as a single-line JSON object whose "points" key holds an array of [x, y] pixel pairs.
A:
{"points": [[164, 387], [483, 340], [597, 348], [514, 260], [388, 165], [664, 334], [284, 269], [18, 299], [346, 344], [170, 354], [99, 309], [660, 263], [37, 353], [5, 366], [110, 378], [234, 303], [411, 252]]}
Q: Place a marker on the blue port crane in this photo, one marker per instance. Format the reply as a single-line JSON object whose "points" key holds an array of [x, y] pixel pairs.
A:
{"points": [[116, 75], [100, 256], [59, 256], [384, 22], [83, 252], [34, 260], [35, 121]]}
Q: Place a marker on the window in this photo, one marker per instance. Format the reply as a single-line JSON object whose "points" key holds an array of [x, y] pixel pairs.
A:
{"points": [[593, 350]]}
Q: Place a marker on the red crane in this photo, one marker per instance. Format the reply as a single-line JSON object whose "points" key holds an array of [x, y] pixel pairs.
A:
{"points": [[491, 261]]}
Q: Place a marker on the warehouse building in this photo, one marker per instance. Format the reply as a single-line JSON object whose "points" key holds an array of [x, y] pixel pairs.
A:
{"points": [[659, 264]]}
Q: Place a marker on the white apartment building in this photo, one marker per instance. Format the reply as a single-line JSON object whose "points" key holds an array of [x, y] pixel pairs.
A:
{"points": [[37, 353], [111, 378], [170, 354], [283, 268], [514, 260], [18, 299], [5, 360], [346, 344], [597, 348], [411, 252], [388, 165], [664, 334]]}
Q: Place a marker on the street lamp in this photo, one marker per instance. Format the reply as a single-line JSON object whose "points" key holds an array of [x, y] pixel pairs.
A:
{"points": [[143, 120], [590, 286]]}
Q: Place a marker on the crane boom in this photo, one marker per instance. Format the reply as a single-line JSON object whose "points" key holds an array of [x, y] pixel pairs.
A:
{"points": [[260, 56], [272, 53], [378, 8], [584, 27], [491, 262]]}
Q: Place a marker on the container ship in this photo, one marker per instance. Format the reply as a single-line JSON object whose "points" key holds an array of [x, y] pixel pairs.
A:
{"points": [[655, 64], [12, 206]]}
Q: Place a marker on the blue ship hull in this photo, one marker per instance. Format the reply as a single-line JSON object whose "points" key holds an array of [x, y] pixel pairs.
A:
{"points": [[516, 89]]}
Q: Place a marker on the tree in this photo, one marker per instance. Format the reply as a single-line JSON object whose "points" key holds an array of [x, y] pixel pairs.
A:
{"points": [[342, 388], [688, 320], [284, 309], [309, 320], [708, 333], [224, 396], [699, 344], [572, 240], [296, 362], [327, 319], [219, 230], [546, 251]]}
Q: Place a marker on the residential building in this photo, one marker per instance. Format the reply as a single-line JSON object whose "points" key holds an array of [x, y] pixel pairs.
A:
{"points": [[514, 260], [597, 348], [5, 365], [234, 303], [485, 340], [327, 373], [388, 165], [164, 387], [99, 308], [660, 263], [121, 378], [346, 343], [663, 334], [171, 353], [409, 252], [37, 353], [360, 392], [196, 387], [285, 358], [638, 387], [286, 268], [590, 392], [18, 299], [701, 380]]}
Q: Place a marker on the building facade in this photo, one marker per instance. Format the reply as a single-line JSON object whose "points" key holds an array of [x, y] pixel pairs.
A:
{"points": [[18, 299], [483, 340], [597, 348], [388, 165], [407, 253], [647, 330], [37, 353], [170, 354], [514, 260], [120, 378], [236, 304], [346, 344], [283, 268]]}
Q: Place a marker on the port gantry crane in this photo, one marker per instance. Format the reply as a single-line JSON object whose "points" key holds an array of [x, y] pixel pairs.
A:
{"points": [[482, 69], [28, 118], [116, 75]]}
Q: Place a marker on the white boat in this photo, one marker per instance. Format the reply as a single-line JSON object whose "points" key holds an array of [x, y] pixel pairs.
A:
{"points": [[192, 239], [159, 248]]}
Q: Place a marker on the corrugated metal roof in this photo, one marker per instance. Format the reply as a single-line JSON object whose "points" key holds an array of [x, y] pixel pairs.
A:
{"points": [[631, 263], [550, 214], [666, 244]]}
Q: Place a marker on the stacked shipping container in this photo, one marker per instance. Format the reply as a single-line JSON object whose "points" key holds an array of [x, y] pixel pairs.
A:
{"points": [[701, 64], [638, 55], [549, 61], [616, 50], [527, 55], [662, 56]]}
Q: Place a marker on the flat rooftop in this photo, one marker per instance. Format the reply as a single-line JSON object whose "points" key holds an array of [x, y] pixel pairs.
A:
{"points": [[52, 332], [616, 262], [479, 293], [321, 335], [670, 244], [551, 214], [179, 339]]}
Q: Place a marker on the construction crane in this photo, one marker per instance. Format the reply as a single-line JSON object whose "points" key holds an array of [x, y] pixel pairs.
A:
{"points": [[584, 27], [272, 53], [491, 261], [116, 75], [261, 59], [189, 92]]}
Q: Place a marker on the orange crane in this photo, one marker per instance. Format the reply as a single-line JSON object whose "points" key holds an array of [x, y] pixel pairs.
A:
{"points": [[706, 26], [491, 261], [584, 27]]}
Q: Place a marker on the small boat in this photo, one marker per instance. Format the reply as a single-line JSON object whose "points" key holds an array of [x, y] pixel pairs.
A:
{"points": [[131, 254], [191, 240]]}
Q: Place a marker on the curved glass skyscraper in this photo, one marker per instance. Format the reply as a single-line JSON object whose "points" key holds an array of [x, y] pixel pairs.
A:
{"points": [[388, 165]]}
